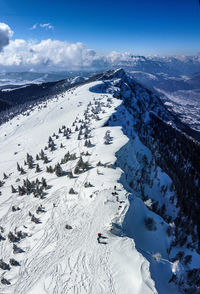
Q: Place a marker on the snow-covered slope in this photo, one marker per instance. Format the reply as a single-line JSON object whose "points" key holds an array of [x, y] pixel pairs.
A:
{"points": [[54, 259], [105, 173]]}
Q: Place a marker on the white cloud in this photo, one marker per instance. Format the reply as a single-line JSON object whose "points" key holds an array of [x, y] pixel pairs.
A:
{"points": [[34, 26], [5, 35], [46, 26], [47, 55]]}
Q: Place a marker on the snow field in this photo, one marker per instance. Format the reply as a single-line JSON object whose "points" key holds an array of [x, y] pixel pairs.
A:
{"points": [[54, 259]]}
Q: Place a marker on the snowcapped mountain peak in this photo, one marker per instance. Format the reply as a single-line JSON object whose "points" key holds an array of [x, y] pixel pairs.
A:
{"points": [[114, 74]]}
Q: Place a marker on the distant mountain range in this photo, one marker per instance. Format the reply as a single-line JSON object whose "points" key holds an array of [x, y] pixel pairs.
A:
{"points": [[175, 79]]}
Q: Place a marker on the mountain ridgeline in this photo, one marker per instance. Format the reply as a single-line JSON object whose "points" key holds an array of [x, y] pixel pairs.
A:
{"points": [[172, 146], [154, 163]]}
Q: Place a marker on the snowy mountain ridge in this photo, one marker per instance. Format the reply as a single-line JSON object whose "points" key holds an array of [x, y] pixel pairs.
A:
{"points": [[96, 167]]}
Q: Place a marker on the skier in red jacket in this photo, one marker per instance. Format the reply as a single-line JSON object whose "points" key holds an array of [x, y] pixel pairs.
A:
{"points": [[98, 237]]}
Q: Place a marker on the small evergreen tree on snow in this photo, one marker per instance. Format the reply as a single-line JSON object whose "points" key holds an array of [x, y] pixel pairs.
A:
{"points": [[35, 219], [49, 169], [70, 174], [76, 170], [71, 191], [22, 171], [12, 237], [18, 167], [42, 154], [45, 159], [5, 176], [107, 138], [87, 185], [44, 183], [13, 190], [80, 162], [52, 148], [58, 170], [4, 281], [30, 164], [21, 191], [89, 143], [16, 249], [85, 165], [50, 139], [14, 262], [2, 238], [3, 265], [37, 169]]}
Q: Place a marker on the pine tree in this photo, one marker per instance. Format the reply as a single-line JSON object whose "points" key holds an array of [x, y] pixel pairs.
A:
{"points": [[21, 191], [85, 165], [107, 137], [80, 162], [22, 171], [45, 159], [30, 164], [18, 167], [37, 169], [35, 219], [50, 139], [42, 154], [76, 170], [71, 191], [44, 183], [70, 174], [13, 189], [52, 147], [49, 169], [14, 262], [5, 176], [58, 170]]}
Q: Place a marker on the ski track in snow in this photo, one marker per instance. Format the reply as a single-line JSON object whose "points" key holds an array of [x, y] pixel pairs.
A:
{"points": [[56, 260]]}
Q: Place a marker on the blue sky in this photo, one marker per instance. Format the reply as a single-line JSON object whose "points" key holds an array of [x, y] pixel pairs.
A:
{"points": [[144, 27]]}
